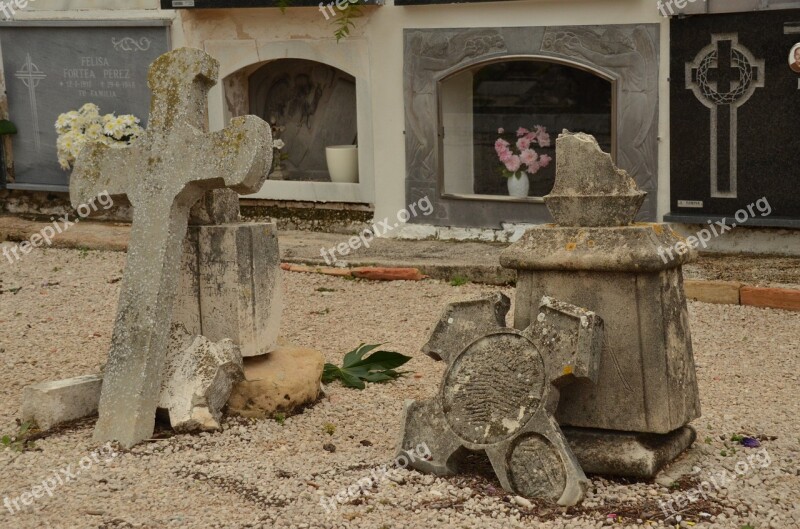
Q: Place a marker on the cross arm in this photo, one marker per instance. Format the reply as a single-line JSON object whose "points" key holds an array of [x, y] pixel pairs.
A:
{"points": [[240, 154], [101, 169]]}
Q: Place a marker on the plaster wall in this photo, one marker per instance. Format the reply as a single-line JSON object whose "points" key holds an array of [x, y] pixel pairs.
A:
{"points": [[376, 50]]}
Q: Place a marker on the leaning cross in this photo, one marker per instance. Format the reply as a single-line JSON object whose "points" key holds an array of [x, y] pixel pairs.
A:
{"points": [[163, 174], [724, 74]]}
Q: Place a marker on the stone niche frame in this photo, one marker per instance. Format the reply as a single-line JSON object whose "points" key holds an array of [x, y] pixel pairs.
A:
{"points": [[240, 58], [627, 55]]}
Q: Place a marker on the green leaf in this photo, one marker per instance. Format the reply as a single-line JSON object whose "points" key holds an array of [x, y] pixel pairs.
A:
{"points": [[383, 360], [351, 380], [6, 440], [378, 367], [355, 356], [6, 127]]}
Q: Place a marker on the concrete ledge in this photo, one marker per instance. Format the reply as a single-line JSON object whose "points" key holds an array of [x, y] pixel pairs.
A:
{"points": [[721, 292], [776, 298]]}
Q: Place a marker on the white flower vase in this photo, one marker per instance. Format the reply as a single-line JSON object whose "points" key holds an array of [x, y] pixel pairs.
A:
{"points": [[342, 163], [519, 185]]}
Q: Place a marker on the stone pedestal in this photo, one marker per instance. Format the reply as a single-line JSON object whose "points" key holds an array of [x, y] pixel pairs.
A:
{"points": [[230, 285], [630, 276]]}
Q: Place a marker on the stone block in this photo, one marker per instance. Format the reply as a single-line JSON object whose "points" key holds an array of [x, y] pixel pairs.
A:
{"points": [[52, 403], [231, 285], [628, 454], [776, 298], [198, 380], [287, 378], [720, 292], [647, 380]]}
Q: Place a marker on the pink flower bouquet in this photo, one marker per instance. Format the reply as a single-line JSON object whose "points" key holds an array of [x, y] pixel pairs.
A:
{"points": [[521, 157]]}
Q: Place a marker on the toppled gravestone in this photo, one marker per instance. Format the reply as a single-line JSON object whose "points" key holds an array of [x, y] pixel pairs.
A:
{"points": [[634, 418], [500, 391], [163, 174], [198, 380]]}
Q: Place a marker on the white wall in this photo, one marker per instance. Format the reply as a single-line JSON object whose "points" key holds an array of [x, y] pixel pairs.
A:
{"points": [[381, 32]]}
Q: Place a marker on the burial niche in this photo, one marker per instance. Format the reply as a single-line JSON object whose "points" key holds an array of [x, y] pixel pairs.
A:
{"points": [[310, 106], [478, 102]]}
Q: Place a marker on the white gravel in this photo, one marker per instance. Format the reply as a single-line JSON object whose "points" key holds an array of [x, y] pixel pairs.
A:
{"points": [[263, 474]]}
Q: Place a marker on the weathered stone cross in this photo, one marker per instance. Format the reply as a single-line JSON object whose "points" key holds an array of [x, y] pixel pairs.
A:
{"points": [[163, 174]]}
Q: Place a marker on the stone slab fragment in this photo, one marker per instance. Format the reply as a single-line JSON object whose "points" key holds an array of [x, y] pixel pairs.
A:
{"points": [[198, 380], [627, 454], [720, 292], [52, 403], [285, 379], [230, 285], [776, 298]]}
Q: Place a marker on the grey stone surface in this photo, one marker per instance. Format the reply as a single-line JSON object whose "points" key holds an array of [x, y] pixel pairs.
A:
{"points": [[230, 285], [627, 454], [647, 381], [163, 174], [628, 54], [198, 380], [589, 190], [52, 70], [499, 393], [218, 206], [52, 403]]}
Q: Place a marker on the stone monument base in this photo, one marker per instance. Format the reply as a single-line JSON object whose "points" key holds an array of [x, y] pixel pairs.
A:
{"points": [[627, 454]]}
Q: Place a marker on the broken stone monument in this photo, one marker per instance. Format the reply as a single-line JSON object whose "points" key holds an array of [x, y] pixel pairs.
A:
{"points": [[163, 174], [230, 282], [500, 391], [633, 419]]}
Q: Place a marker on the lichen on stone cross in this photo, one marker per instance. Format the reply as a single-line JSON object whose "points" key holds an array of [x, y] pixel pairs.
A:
{"points": [[500, 391], [163, 173]]}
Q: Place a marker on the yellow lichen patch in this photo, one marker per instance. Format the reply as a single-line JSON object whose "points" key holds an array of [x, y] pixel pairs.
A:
{"points": [[571, 246], [658, 229], [567, 370], [590, 243]]}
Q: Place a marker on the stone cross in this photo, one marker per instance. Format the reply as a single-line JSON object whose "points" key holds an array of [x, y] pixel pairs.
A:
{"points": [[163, 174], [500, 392]]}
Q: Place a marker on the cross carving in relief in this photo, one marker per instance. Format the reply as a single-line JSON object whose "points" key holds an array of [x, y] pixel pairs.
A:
{"points": [[723, 77]]}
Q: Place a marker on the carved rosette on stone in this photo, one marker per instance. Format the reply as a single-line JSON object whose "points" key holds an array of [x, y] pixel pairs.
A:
{"points": [[633, 420], [500, 391]]}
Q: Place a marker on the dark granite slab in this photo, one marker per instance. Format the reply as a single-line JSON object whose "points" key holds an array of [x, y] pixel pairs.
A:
{"points": [[758, 144]]}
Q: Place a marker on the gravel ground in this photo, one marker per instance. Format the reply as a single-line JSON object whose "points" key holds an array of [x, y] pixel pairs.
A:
{"points": [[266, 474]]}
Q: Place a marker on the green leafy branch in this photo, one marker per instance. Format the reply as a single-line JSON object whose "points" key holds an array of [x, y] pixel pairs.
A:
{"points": [[20, 442], [345, 23], [380, 366]]}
